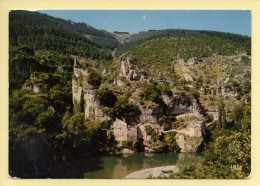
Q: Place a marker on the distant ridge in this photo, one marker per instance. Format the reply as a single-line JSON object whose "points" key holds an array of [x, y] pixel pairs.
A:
{"points": [[116, 32]]}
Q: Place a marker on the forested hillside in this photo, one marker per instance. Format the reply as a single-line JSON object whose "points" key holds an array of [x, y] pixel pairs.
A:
{"points": [[39, 31], [102, 38], [136, 39]]}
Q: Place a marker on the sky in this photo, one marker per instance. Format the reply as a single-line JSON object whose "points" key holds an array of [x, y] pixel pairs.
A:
{"points": [[134, 21]]}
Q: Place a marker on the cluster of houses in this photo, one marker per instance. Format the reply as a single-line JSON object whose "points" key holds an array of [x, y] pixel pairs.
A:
{"points": [[122, 132]]}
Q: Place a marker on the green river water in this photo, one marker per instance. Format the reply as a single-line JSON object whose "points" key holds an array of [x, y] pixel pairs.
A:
{"points": [[119, 166]]}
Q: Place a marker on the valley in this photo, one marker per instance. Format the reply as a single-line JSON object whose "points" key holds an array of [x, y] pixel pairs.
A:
{"points": [[78, 94]]}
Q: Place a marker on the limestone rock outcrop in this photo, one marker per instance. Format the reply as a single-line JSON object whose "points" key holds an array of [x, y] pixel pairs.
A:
{"points": [[84, 93], [151, 112], [190, 138], [129, 72], [183, 104], [119, 128]]}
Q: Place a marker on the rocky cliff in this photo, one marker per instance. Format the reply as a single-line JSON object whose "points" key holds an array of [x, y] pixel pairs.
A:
{"points": [[129, 72], [180, 103], [173, 105], [84, 93]]}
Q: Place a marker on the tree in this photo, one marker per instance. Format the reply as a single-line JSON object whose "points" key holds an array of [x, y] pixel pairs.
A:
{"points": [[222, 114], [241, 118], [170, 141], [94, 78], [151, 92], [106, 97], [125, 109], [230, 156]]}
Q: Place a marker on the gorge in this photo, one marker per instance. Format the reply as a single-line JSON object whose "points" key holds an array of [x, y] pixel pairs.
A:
{"points": [[85, 102]]}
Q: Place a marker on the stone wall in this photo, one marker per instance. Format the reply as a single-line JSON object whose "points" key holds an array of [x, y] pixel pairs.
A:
{"points": [[129, 72], [132, 133]]}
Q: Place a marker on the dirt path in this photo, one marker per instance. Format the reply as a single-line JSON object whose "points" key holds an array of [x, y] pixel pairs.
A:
{"points": [[155, 172], [185, 70], [173, 130]]}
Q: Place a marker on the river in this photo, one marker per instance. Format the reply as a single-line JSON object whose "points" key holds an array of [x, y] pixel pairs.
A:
{"points": [[120, 166]]}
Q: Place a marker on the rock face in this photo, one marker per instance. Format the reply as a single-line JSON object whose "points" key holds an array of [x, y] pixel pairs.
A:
{"points": [[93, 108], [141, 133], [132, 133], [190, 138], [129, 72], [151, 114], [192, 61], [120, 82], [122, 132], [85, 92], [182, 104]]}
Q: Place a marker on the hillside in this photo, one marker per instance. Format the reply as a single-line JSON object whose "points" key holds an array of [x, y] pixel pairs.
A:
{"points": [[102, 38], [54, 42], [77, 93], [39, 31], [136, 39], [207, 61]]}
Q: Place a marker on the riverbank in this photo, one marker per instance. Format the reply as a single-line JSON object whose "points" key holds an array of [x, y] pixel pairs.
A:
{"points": [[154, 172]]}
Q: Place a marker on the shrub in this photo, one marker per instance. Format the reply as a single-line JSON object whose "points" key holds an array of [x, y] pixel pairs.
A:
{"points": [[151, 92], [188, 163], [170, 141], [179, 124], [150, 131], [123, 108], [106, 97], [94, 78], [128, 144], [106, 124]]}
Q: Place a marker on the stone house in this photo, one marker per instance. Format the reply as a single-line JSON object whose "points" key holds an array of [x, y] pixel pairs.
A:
{"points": [[122, 132], [141, 133]]}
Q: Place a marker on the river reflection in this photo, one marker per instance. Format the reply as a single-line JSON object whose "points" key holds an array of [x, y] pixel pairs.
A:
{"points": [[122, 165]]}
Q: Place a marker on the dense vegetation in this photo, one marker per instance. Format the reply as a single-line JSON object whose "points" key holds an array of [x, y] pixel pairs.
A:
{"points": [[137, 39], [102, 38], [158, 54], [39, 31], [118, 107], [44, 133], [227, 153]]}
